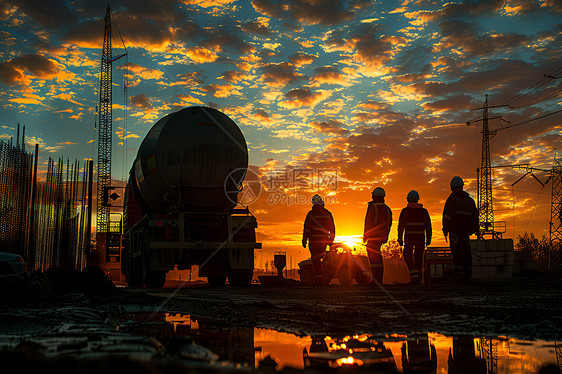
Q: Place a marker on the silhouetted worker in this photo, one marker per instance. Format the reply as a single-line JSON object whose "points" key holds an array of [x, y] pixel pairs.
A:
{"points": [[419, 355], [319, 230], [460, 220], [377, 227], [414, 226], [462, 359]]}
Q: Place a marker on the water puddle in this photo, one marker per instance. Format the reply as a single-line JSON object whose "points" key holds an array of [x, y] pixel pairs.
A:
{"points": [[427, 352]]}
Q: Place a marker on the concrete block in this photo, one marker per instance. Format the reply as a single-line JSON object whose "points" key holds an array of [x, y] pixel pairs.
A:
{"points": [[478, 245], [510, 260], [499, 258], [439, 271], [508, 245], [484, 272], [476, 274], [496, 272]]}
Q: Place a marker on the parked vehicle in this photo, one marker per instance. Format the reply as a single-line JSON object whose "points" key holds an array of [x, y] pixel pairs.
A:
{"points": [[338, 262], [182, 202], [11, 263]]}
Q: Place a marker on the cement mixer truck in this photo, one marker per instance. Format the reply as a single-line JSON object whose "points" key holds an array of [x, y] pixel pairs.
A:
{"points": [[181, 202]]}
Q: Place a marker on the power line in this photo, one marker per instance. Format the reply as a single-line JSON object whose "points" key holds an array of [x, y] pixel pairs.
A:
{"points": [[541, 100], [547, 78], [529, 120], [534, 87]]}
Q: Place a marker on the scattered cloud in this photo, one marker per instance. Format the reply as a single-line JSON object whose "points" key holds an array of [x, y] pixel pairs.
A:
{"points": [[141, 101], [280, 74], [303, 97]]}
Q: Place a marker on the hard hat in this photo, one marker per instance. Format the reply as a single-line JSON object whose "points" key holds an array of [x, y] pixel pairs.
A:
{"points": [[456, 182], [317, 199], [379, 191], [413, 196]]}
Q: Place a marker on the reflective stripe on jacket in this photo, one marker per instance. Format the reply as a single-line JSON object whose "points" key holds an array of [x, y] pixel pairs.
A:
{"points": [[414, 223], [319, 225], [378, 220], [460, 213]]}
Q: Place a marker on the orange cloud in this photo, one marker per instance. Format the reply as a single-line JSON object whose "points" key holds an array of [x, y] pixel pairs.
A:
{"points": [[141, 71], [28, 99], [191, 79], [328, 75], [201, 55], [221, 90], [280, 74], [301, 97], [325, 12], [256, 28], [330, 127], [372, 105], [21, 70], [299, 59], [141, 101], [66, 96], [188, 99], [64, 111], [232, 76], [209, 3], [262, 116]]}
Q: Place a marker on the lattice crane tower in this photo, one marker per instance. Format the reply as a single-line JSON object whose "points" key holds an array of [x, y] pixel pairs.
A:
{"points": [[105, 127]]}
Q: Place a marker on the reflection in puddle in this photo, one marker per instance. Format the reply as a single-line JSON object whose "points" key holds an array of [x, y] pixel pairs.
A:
{"points": [[427, 353], [423, 353]]}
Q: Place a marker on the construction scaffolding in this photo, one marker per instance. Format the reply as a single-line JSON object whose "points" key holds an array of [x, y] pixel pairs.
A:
{"points": [[48, 222]]}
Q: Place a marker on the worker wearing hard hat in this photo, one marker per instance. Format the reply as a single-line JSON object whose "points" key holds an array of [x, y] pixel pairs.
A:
{"points": [[319, 231], [414, 232], [377, 227], [460, 220]]}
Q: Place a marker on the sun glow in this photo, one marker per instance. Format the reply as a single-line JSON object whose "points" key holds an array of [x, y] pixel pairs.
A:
{"points": [[353, 241]]}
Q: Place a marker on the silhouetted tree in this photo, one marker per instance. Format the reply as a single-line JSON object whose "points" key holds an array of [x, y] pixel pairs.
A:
{"points": [[538, 248], [391, 251]]}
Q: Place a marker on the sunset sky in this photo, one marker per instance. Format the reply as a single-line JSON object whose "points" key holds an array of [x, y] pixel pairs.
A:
{"points": [[368, 93]]}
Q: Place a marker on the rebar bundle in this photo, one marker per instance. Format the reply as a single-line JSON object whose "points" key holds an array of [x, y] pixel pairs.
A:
{"points": [[61, 216], [15, 192], [45, 222]]}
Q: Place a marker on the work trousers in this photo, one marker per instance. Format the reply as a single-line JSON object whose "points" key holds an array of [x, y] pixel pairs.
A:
{"points": [[317, 250], [375, 259], [413, 255], [462, 254]]}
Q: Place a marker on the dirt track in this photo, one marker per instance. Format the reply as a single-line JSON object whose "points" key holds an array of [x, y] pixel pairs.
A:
{"points": [[526, 309]]}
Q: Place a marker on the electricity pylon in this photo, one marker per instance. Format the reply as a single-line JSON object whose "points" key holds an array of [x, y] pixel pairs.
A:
{"points": [[485, 206]]}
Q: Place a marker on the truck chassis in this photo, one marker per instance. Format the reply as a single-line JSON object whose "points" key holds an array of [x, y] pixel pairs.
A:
{"points": [[222, 244]]}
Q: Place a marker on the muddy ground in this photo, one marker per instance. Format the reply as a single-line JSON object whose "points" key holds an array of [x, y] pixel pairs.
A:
{"points": [[521, 308], [81, 321]]}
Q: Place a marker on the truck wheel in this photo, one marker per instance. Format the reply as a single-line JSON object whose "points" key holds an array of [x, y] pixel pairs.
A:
{"points": [[345, 277], [362, 278], [216, 281], [134, 278], [307, 276], [155, 279], [240, 277]]}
